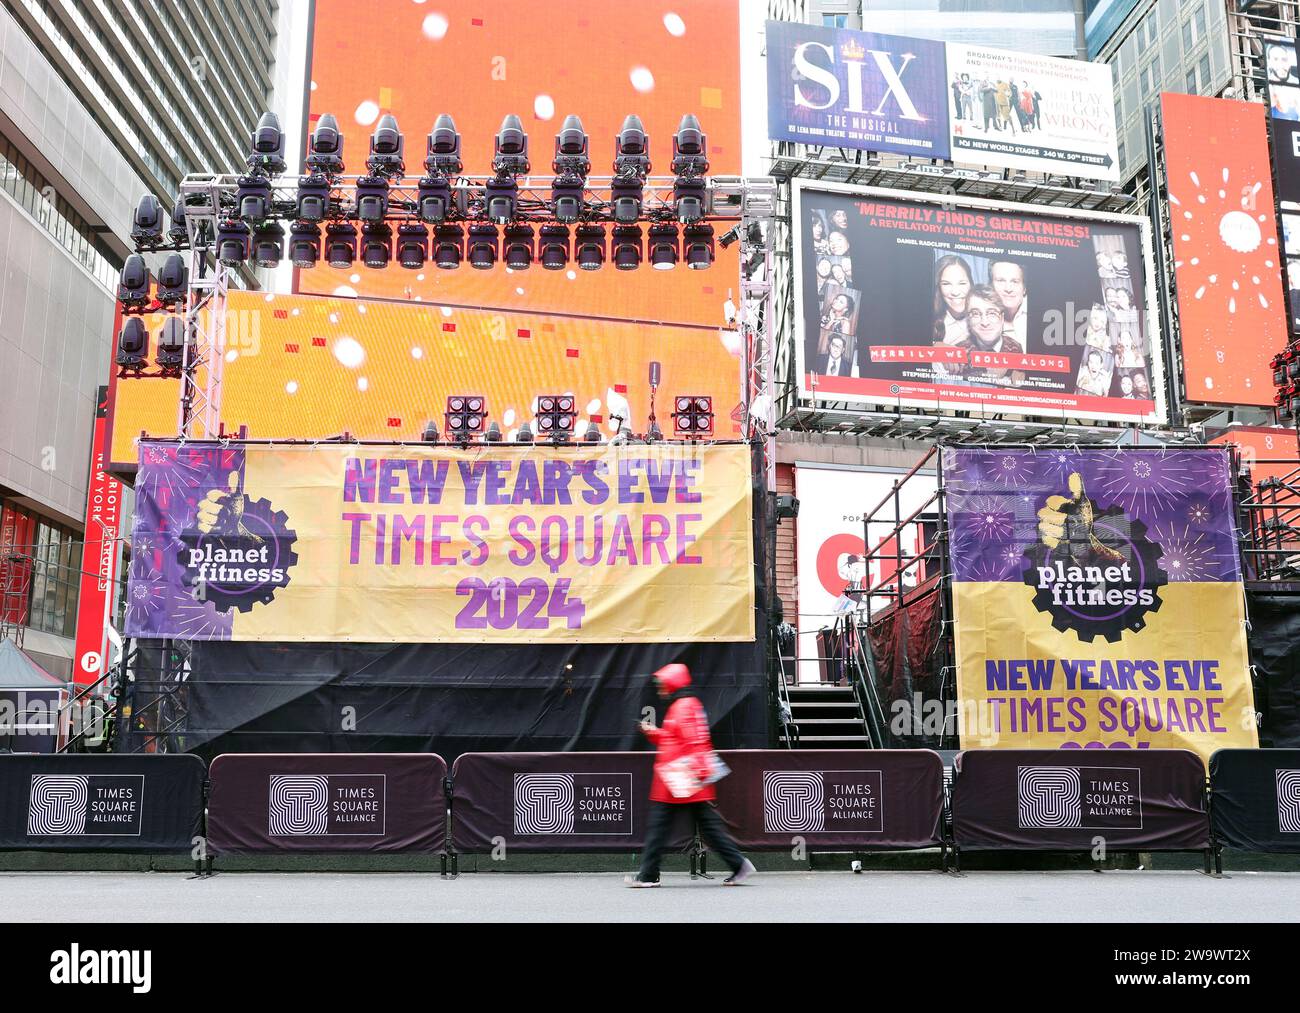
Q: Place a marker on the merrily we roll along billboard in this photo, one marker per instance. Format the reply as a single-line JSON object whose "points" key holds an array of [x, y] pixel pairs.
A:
{"points": [[977, 104], [907, 300]]}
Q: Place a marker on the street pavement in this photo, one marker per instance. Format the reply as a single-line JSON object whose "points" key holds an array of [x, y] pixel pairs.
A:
{"points": [[1125, 896]]}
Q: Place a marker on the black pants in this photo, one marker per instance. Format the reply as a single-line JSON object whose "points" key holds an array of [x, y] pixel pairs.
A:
{"points": [[659, 823]]}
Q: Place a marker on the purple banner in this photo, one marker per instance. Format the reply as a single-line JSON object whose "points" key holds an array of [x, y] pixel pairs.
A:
{"points": [[847, 89]]}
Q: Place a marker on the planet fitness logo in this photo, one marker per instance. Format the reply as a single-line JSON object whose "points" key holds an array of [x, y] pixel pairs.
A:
{"points": [[1094, 571], [239, 552]]}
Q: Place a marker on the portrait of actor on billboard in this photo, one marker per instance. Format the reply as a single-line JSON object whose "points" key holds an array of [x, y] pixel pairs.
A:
{"points": [[1127, 353], [840, 308], [953, 282], [1284, 101], [838, 360], [1119, 301], [1095, 373], [986, 332], [1280, 61], [820, 233], [1007, 279], [1098, 332]]}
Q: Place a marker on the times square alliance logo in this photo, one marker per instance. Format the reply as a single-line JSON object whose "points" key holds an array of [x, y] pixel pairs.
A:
{"points": [[238, 551], [1094, 571]]}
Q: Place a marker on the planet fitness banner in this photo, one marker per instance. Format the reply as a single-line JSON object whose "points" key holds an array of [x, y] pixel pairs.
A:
{"points": [[385, 544], [907, 300], [848, 89], [1098, 599]]}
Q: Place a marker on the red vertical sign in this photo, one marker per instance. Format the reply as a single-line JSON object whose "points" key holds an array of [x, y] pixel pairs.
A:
{"points": [[99, 557], [17, 532]]}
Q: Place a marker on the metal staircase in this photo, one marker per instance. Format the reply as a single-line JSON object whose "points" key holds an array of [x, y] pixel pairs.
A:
{"points": [[825, 716]]}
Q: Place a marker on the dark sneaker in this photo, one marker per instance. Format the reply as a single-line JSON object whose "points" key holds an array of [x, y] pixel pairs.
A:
{"points": [[740, 875], [641, 884]]}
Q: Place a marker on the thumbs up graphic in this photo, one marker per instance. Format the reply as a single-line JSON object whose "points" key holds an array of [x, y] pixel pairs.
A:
{"points": [[1069, 519]]}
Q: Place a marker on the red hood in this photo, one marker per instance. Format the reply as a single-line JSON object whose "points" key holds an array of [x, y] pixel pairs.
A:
{"points": [[674, 677]]}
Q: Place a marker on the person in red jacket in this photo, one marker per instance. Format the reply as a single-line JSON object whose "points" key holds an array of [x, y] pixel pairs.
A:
{"points": [[685, 733]]}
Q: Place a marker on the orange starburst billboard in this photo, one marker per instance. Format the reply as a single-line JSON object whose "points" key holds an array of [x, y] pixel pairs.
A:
{"points": [[1227, 270]]}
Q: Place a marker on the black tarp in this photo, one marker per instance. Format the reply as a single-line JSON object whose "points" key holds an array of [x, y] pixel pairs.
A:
{"points": [[99, 802], [1255, 799], [1275, 653]]}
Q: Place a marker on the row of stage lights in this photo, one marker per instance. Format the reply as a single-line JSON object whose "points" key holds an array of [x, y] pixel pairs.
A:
{"points": [[1286, 380], [480, 224], [556, 421]]}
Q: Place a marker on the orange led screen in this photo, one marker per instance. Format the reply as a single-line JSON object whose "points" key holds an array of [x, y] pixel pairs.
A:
{"points": [[308, 367], [1231, 313], [481, 59]]}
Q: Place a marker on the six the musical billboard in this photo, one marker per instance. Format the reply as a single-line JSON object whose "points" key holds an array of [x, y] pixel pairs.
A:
{"points": [[910, 300], [890, 93]]}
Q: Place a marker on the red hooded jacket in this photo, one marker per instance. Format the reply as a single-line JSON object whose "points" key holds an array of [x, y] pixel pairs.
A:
{"points": [[685, 732]]}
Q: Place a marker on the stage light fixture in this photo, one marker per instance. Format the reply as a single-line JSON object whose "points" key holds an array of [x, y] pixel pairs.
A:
{"points": [[376, 245], [132, 344], [631, 167], [589, 247], [525, 434], [179, 233], [463, 420], [268, 244], [443, 155], [625, 247], [325, 147], [693, 416], [387, 149], [253, 198], [434, 198], [690, 163], [430, 434], [557, 416], [266, 151], [663, 247], [233, 242], [509, 159], [448, 246], [314, 198], [572, 164], [170, 353], [173, 280], [697, 246], [372, 198], [304, 244], [147, 222], [482, 246], [340, 245], [493, 434], [592, 435], [518, 247], [412, 245], [133, 283], [654, 434], [553, 247]]}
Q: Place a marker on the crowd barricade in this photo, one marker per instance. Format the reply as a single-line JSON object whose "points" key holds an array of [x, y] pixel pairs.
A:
{"points": [[553, 802], [1080, 800], [1255, 801], [834, 799], [101, 802], [327, 803]]}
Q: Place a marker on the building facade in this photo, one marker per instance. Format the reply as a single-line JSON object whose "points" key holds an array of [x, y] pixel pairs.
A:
{"points": [[99, 104]]}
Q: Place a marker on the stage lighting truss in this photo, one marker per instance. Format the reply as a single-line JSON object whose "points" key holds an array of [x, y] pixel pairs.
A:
{"points": [[465, 418], [261, 214], [693, 417], [556, 417]]}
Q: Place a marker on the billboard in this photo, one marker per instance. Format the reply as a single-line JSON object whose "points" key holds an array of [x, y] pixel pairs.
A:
{"points": [[831, 545], [907, 300], [303, 367], [480, 61], [98, 555], [409, 544], [1045, 27], [970, 103], [1284, 125], [1098, 599], [1227, 273]]}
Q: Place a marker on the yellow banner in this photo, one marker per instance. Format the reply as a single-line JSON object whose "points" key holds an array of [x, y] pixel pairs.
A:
{"points": [[509, 544]]}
